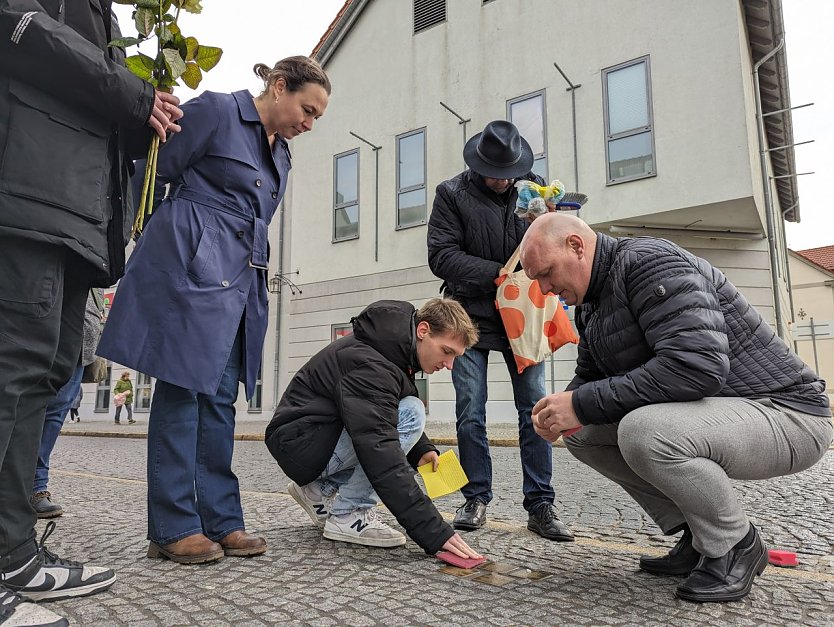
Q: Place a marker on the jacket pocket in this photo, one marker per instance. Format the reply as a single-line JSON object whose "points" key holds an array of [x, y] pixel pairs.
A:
{"points": [[197, 267], [54, 154]]}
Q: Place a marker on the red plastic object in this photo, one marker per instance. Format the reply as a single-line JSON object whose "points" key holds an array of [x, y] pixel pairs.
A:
{"points": [[460, 562], [782, 558]]}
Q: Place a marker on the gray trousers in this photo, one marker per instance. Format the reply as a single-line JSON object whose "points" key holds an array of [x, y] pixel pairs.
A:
{"points": [[676, 459]]}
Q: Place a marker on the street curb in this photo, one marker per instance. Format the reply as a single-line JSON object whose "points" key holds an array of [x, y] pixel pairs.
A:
{"points": [[258, 437]]}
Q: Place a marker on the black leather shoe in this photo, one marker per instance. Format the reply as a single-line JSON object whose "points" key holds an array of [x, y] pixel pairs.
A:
{"points": [[679, 561], [471, 515], [544, 521], [726, 578]]}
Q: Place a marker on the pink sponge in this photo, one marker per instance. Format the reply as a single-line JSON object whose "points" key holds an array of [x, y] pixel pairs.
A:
{"points": [[782, 558]]}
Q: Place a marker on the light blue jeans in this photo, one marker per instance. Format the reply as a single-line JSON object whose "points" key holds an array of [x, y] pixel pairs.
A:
{"points": [[344, 474]]}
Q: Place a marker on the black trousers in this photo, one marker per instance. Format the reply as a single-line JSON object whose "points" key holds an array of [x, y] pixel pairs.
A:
{"points": [[43, 291]]}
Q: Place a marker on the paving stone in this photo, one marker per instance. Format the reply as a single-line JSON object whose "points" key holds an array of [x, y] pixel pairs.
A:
{"points": [[304, 579]]}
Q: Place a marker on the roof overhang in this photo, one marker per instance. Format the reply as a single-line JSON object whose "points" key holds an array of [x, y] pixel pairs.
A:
{"points": [[337, 30], [765, 29]]}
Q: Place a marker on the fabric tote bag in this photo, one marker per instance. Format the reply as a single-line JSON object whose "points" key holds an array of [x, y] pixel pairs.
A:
{"points": [[536, 324]]}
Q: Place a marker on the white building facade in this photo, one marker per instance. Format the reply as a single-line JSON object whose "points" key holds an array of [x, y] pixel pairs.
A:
{"points": [[651, 112]]}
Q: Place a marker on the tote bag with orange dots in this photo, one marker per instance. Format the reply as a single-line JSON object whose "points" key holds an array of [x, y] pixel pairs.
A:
{"points": [[536, 324]]}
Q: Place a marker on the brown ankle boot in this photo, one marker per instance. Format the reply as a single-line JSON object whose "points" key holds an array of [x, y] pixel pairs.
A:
{"points": [[242, 544], [196, 549]]}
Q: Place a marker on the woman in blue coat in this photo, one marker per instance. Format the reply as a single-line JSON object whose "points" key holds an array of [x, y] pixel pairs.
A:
{"points": [[191, 309]]}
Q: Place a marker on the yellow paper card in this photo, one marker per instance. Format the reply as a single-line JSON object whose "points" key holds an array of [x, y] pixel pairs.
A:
{"points": [[448, 478]]}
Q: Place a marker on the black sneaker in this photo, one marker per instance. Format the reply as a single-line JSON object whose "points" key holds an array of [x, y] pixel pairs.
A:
{"points": [[47, 577], [43, 505], [544, 521], [471, 515], [16, 611]]}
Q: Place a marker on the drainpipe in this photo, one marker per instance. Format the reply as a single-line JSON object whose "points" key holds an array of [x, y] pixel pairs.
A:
{"points": [[788, 274], [768, 200], [279, 308]]}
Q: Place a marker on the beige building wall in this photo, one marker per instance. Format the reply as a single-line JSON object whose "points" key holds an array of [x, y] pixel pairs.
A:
{"points": [[813, 296]]}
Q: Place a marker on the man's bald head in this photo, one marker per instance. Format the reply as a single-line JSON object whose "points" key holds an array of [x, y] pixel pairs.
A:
{"points": [[558, 250]]}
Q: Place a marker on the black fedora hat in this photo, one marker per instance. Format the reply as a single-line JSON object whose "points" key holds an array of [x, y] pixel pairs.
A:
{"points": [[499, 152]]}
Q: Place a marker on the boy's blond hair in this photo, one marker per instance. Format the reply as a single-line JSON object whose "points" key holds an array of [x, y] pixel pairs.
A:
{"points": [[445, 315]]}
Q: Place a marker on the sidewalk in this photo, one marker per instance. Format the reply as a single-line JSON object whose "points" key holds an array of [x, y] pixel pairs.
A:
{"points": [[252, 429]]}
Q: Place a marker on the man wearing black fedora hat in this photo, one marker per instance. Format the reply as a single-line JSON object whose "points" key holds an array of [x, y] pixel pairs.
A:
{"points": [[472, 232]]}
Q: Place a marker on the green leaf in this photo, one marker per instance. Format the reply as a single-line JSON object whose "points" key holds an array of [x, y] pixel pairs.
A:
{"points": [[192, 47], [207, 57], [166, 4], [124, 42], [141, 65], [192, 75], [174, 28], [123, 1], [144, 20], [164, 33], [176, 66], [153, 5], [191, 6]]}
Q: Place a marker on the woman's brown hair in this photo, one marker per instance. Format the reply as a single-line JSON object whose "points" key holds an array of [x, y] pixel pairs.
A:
{"points": [[296, 72]]}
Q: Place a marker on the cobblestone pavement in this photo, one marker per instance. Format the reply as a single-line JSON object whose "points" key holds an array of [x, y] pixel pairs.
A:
{"points": [[304, 579]]}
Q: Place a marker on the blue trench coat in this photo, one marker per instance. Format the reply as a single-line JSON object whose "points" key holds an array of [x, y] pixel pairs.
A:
{"points": [[200, 265]]}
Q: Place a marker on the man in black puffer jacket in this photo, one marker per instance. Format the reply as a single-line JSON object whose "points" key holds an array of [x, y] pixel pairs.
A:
{"points": [[680, 386], [472, 232], [350, 425]]}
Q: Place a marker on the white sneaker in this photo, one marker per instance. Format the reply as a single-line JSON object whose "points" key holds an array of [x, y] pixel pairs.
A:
{"points": [[312, 500], [15, 611], [47, 577], [362, 527]]}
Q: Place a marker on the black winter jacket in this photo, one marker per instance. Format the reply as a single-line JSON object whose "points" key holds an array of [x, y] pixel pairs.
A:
{"points": [[72, 118], [356, 384], [472, 233], [660, 325]]}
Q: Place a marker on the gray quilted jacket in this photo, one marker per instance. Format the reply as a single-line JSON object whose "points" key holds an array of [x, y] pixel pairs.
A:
{"points": [[92, 325], [661, 325]]}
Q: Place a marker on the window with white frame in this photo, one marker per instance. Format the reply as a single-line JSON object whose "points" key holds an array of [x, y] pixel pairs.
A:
{"points": [[103, 391], [346, 196], [143, 392], [528, 115], [411, 179], [338, 331], [627, 99]]}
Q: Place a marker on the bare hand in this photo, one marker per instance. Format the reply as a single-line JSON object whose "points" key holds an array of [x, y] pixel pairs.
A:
{"points": [[165, 114], [432, 457], [554, 414], [458, 546]]}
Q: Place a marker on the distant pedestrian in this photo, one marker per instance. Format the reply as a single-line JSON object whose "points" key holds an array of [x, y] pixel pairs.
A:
{"points": [[192, 308], [124, 387], [76, 405]]}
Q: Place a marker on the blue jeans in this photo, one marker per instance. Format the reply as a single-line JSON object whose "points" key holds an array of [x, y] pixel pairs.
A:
{"points": [[344, 474], [469, 377], [56, 413], [191, 486]]}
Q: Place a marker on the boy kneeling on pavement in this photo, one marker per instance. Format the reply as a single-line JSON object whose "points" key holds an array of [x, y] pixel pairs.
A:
{"points": [[350, 426]]}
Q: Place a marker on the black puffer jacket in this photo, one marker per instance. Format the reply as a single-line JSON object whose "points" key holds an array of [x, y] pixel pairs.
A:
{"points": [[472, 233], [356, 383], [660, 325], [72, 118]]}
